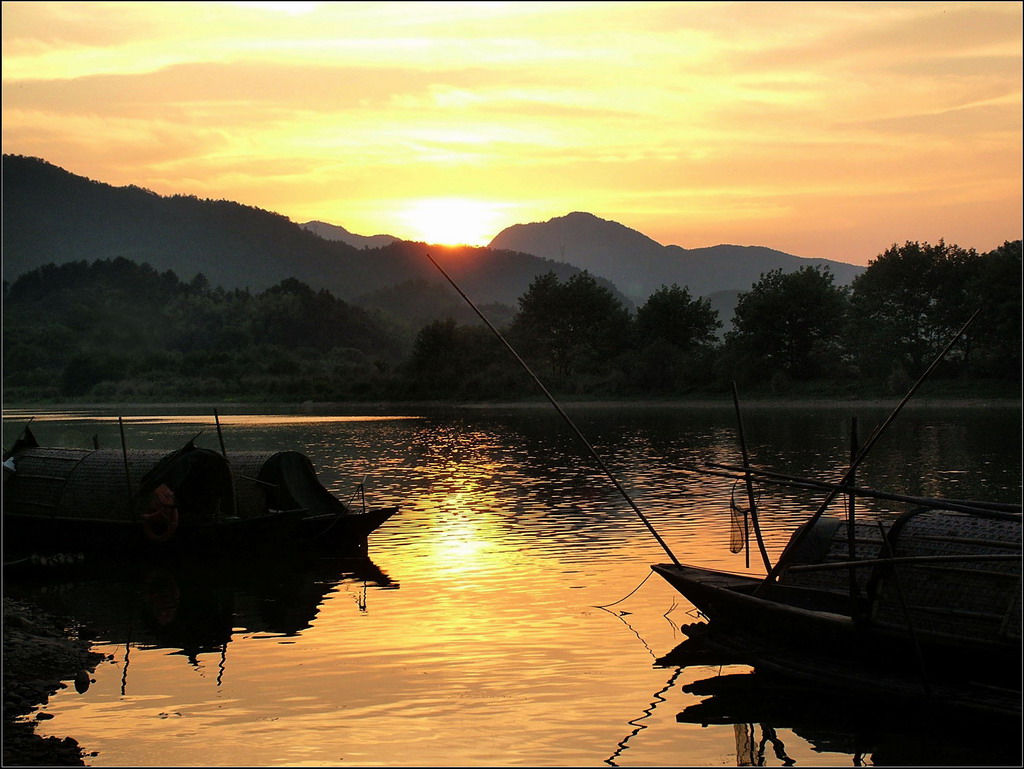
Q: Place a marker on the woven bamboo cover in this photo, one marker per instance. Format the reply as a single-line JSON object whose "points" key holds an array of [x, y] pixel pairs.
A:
{"points": [[77, 483], [867, 545], [966, 599]]}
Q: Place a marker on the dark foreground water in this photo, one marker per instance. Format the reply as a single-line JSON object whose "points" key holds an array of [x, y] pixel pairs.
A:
{"points": [[507, 615]]}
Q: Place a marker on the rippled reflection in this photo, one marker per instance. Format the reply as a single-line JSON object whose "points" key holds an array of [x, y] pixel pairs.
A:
{"points": [[526, 630], [195, 607]]}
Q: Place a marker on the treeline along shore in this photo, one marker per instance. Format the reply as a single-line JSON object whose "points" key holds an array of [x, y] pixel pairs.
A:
{"points": [[116, 330]]}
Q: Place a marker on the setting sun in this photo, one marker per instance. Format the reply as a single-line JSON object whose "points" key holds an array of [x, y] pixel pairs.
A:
{"points": [[451, 221]]}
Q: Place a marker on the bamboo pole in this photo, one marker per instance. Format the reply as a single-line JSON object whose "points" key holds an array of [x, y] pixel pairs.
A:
{"points": [[851, 539], [1006, 510], [749, 482], [904, 559], [220, 435], [127, 473], [224, 453]]}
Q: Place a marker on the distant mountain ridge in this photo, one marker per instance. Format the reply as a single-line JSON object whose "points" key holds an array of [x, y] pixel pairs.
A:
{"points": [[639, 265], [336, 232], [53, 216]]}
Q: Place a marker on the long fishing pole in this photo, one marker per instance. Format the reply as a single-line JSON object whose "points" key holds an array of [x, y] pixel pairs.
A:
{"points": [[1002, 510], [750, 487], [558, 408], [862, 454]]}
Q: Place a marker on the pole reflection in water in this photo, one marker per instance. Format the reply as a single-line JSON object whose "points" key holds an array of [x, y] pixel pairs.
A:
{"points": [[636, 723], [496, 650]]}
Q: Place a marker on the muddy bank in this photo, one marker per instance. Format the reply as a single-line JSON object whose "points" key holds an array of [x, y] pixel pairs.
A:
{"points": [[41, 654]]}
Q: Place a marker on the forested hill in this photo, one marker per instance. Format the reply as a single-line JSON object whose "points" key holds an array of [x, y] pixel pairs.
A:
{"points": [[639, 265], [116, 330], [51, 216]]}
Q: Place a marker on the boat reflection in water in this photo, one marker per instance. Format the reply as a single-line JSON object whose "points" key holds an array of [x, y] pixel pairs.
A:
{"points": [[195, 606], [765, 708]]}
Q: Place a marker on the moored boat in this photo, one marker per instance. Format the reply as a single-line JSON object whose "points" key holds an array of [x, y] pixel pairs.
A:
{"points": [[933, 597], [131, 502], [934, 600]]}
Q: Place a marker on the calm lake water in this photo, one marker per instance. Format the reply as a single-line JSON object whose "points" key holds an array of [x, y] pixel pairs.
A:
{"points": [[507, 616]]}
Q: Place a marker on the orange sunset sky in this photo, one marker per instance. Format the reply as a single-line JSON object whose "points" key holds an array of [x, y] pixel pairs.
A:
{"points": [[823, 129]]}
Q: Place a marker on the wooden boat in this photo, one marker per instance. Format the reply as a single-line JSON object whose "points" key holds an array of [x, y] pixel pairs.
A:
{"points": [[929, 606], [144, 501]]}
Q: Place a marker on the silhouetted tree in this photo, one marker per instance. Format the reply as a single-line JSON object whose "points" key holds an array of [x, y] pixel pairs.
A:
{"points": [[675, 336], [459, 361], [906, 306], [789, 324], [995, 288], [576, 326], [673, 316]]}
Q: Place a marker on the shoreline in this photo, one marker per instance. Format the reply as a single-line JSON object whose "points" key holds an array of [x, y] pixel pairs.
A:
{"points": [[41, 655]]}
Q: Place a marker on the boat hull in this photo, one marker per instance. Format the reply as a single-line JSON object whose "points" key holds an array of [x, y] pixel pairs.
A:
{"points": [[783, 627], [342, 530], [729, 602], [39, 534]]}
